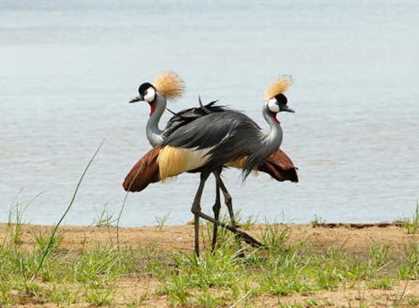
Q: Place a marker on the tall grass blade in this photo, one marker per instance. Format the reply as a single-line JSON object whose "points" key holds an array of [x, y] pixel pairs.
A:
{"points": [[54, 231], [124, 203]]}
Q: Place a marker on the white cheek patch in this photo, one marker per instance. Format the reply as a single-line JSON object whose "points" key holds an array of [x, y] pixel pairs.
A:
{"points": [[273, 105], [150, 95]]}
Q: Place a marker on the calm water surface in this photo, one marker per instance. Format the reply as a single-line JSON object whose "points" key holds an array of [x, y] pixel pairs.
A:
{"points": [[68, 68]]}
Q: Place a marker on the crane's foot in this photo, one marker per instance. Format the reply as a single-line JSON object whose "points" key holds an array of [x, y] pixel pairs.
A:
{"points": [[243, 235], [247, 238]]}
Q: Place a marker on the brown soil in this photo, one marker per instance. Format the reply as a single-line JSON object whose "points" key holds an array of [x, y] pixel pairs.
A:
{"points": [[351, 239], [355, 240]]}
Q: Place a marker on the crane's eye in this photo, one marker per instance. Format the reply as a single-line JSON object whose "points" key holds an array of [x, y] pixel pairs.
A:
{"points": [[273, 105], [150, 95]]}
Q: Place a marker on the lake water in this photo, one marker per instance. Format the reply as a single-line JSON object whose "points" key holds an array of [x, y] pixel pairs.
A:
{"points": [[68, 68]]}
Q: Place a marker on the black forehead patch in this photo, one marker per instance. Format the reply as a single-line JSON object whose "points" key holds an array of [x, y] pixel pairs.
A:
{"points": [[143, 88], [282, 99]]}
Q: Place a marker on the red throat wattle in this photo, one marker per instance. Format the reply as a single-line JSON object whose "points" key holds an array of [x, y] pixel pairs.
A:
{"points": [[274, 118], [152, 107]]}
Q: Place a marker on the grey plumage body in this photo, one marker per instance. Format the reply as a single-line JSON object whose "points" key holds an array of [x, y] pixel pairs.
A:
{"points": [[229, 135], [189, 115]]}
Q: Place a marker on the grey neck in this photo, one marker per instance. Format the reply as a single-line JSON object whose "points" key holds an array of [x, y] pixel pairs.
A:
{"points": [[270, 142], [154, 134], [274, 137]]}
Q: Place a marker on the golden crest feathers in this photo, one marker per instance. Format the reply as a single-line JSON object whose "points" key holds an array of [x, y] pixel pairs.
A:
{"points": [[279, 86], [170, 85]]}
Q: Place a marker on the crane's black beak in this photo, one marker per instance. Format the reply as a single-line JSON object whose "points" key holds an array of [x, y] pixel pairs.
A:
{"points": [[136, 99], [286, 108]]}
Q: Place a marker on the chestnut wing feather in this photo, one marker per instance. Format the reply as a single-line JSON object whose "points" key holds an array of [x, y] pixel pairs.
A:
{"points": [[144, 172], [279, 166]]}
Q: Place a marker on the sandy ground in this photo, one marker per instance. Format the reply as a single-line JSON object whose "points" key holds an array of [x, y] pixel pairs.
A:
{"points": [[352, 240], [356, 240]]}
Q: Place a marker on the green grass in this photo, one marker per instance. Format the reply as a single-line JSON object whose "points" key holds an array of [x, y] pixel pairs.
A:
{"points": [[412, 224], [233, 275], [409, 269], [161, 221], [105, 219], [317, 220], [65, 277], [279, 271]]}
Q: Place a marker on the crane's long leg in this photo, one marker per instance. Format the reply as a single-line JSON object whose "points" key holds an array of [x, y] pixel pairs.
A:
{"points": [[227, 198], [196, 210], [216, 209], [229, 203]]}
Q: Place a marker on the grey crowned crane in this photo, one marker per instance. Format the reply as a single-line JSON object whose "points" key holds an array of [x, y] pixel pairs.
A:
{"points": [[206, 140], [169, 86]]}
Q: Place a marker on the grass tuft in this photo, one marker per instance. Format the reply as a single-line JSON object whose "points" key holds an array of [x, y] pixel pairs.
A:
{"points": [[161, 221], [409, 269], [105, 219], [412, 224]]}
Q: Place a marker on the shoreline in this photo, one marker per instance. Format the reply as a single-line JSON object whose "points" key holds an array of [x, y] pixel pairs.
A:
{"points": [[175, 237]]}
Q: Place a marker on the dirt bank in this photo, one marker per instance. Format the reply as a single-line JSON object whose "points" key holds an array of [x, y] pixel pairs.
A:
{"points": [[179, 237]]}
